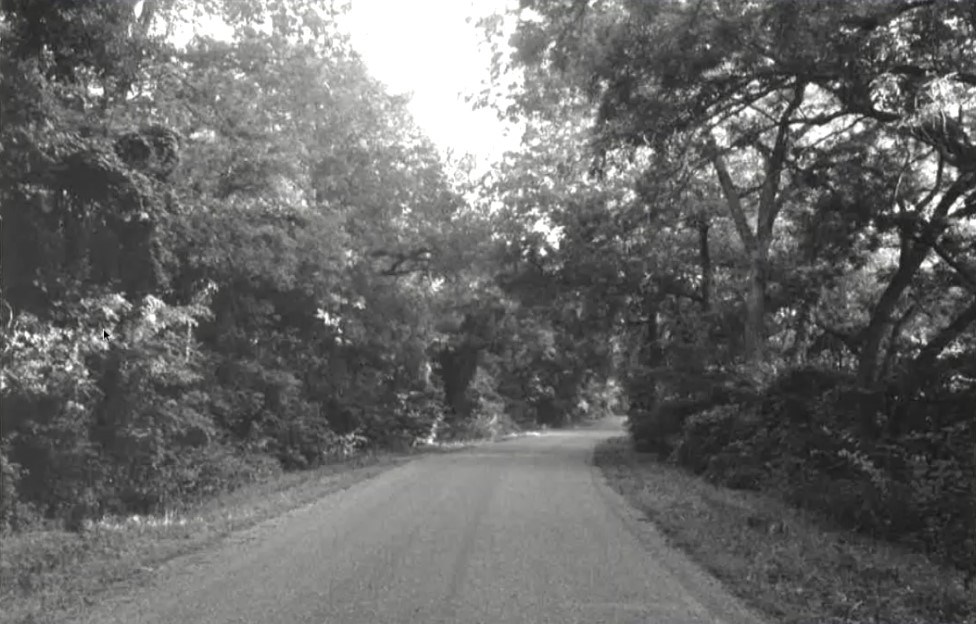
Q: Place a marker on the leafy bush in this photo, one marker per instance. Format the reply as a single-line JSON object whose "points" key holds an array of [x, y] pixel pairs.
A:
{"points": [[705, 435], [205, 473], [301, 437], [49, 398], [598, 399], [723, 444], [347, 445], [90, 409], [736, 467], [408, 418], [9, 475], [896, 464], [659, 429]]}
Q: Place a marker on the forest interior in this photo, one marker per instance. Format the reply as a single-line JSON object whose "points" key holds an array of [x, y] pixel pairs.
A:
{"points": [[748, 226]]}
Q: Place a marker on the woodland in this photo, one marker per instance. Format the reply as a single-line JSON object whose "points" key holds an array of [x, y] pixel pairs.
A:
{"points": [[749, 226]]}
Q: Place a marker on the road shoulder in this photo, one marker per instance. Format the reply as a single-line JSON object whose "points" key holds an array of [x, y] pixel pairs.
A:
{"points": [[48, 575], [698, 582], [782, 563]]}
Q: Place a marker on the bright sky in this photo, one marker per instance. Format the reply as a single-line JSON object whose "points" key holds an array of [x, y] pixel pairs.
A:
{"points": [[430, 50], [426, 47]]}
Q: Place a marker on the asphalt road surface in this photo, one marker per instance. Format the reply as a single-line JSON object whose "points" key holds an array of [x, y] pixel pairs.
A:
{"points": [[521, 531]]}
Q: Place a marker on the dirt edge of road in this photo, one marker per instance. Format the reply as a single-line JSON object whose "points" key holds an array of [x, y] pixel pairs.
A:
{"points": [[781, 562], [707, 589]]}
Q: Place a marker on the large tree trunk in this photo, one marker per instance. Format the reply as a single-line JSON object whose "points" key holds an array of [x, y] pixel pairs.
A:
{"points": [[651, 355], [891, 350], [757, 242], [913, 252], [754, 305], [457, 367], [755, 327], [648, 355], [874, 333]]}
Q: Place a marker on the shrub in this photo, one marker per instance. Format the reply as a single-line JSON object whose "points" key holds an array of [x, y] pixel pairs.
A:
{"points": [[347, 445], [207, 472], [721, 443], [659, 429], [9, 475], [893, 463], [409, 417], [301, 435], [735, 468], [91, 413], [704, 435], [598, 399]]}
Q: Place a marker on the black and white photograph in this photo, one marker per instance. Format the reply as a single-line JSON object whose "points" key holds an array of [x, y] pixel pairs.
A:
{"points": [[487, 311]]}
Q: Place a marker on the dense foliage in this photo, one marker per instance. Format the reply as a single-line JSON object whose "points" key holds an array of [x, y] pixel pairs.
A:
{"points": [[767, 212], [231, 257]]}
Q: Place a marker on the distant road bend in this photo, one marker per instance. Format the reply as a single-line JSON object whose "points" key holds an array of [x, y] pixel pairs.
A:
{"points": [[523, 531]]}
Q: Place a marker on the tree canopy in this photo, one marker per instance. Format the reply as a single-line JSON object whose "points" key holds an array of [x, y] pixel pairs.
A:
{"points": [[232, 252]]}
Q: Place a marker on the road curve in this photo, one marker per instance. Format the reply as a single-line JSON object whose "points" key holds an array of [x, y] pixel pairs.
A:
{"points": [[522, 531]]}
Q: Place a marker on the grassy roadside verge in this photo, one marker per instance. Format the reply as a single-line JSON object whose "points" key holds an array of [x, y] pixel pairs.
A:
{"points": [[781, 561], [46, 573]]}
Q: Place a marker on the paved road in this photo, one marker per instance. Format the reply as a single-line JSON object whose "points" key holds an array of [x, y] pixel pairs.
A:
{"points": [[522, 531]]}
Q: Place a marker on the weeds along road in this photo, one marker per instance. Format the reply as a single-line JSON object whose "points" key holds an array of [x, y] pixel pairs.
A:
{"points": [[521, 531]]}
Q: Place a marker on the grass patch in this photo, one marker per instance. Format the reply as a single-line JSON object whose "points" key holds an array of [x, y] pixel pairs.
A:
{"points": [[784, 562], [47, 573]]}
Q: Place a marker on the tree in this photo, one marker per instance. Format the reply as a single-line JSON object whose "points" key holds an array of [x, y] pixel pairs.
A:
{"points": [[777, 221], [771, 79], [219, 253]]}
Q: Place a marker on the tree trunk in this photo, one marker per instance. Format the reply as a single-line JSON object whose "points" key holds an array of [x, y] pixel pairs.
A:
{"points": [[456, 368], [891, 349], [757, 242], [867, 365], [755, 330], [652, 341], [747, 236], [649, 355], [913, 253], [705, 259]]}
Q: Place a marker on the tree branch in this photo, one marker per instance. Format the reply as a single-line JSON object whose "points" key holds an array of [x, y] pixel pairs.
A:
{"points": [[871, 22], [930, 352], [669, 285], [967, 210], [767, 199], [731, 195], [968, 275], [400, 259], [850, 340], [935, 187], [963, 184]]}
